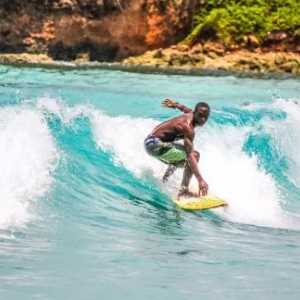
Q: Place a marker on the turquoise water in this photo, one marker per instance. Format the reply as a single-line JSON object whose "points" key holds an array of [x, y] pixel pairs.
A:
{"points": [[84, 215]]}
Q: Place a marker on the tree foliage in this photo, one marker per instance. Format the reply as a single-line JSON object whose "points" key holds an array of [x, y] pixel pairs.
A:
{"points": [[230, 20]]}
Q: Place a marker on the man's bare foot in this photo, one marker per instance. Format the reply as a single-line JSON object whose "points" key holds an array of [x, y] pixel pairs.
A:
{"points": [[186, 194]]}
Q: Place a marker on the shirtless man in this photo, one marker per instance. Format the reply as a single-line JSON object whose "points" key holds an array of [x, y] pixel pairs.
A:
{"points": [[161, 143]]}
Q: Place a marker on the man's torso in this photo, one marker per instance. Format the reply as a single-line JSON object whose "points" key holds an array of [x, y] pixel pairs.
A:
{"points": [[174, 129]]}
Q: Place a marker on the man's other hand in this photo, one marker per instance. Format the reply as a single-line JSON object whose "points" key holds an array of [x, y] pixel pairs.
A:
{"points": [[203, 188]]}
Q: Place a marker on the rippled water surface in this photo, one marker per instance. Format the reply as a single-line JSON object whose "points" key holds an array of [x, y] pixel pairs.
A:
{"points": [[84, 215]]}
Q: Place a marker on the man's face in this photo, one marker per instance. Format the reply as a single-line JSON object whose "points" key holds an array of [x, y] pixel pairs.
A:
{"points": [[201, 116]]}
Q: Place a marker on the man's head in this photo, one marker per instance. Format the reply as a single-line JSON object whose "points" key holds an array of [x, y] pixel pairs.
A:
{"points": [[201, 113]]}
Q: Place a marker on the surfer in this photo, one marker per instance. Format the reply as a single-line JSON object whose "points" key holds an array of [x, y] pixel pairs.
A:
{"points": [[162, 144]]}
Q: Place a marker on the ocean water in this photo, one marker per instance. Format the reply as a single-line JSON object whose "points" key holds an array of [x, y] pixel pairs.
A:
{"points": [[83, 212]]}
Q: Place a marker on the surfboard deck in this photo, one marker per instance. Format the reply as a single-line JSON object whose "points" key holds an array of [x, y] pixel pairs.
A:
{"points": [[200, 203]]}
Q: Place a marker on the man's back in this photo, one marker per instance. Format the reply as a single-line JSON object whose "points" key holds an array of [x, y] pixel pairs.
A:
{"points": [[173, 129]]}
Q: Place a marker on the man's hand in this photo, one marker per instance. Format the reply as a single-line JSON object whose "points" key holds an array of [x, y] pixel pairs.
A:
{"points": [[203, 187], [169, 103], [173, 104]]}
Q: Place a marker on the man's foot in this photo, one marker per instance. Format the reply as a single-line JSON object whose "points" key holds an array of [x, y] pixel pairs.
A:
{"points": [[185, 193], [170, 170]]}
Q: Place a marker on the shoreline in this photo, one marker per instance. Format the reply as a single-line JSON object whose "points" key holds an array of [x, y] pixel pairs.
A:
{"points": [[143, 64]]}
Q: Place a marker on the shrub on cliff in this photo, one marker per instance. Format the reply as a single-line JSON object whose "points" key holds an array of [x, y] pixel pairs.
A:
{"points": [[231, 20]]}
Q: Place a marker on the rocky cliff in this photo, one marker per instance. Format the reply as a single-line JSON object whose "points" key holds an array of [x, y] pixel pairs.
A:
{"points": [[102, 30]]}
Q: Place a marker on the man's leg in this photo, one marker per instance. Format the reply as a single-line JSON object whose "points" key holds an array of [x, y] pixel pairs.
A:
{"points": [[170, 170], [174, 156], [187, 175]]}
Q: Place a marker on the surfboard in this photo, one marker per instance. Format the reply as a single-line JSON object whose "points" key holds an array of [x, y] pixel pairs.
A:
{"points": [[200, 203]]}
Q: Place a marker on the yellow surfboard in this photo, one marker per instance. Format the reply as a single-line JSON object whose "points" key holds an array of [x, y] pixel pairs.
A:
{"points": [[199, 203]]}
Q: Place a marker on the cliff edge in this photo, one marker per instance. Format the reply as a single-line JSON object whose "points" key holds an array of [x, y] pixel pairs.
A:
{"points": [[102, 30]]}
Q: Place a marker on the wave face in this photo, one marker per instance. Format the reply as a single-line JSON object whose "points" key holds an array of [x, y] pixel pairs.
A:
{"points": [[81, 201]]}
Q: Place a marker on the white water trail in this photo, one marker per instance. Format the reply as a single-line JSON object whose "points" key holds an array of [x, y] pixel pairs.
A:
{"points": [[28, 156]]}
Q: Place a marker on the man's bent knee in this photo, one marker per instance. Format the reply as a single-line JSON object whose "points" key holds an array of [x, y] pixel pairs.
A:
{"points": [[196, 154]]}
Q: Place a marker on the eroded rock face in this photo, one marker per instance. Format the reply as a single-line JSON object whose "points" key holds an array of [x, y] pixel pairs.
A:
{"points": [[168, 21], [102, 29]]}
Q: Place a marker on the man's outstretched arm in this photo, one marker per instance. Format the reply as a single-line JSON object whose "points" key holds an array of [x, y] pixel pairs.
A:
{"points": [[193, 163], [173, 104]]}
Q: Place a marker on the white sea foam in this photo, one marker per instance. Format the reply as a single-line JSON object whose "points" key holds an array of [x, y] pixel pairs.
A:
{"points": [[251, 193], [124, 137], [286, 136], [27, 157], [65, 113]]}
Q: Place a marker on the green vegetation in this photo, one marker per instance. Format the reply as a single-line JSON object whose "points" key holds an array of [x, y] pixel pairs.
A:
{"points": [[231, 20]]}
